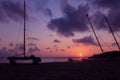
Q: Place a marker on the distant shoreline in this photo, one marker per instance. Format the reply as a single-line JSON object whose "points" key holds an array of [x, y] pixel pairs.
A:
{"points": [[47, 59]]}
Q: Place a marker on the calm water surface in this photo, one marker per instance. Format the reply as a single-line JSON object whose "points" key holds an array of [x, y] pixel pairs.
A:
{"points": [[46, 59]]}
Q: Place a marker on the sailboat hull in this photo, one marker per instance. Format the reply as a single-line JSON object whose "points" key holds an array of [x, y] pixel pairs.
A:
{"points": [[35, 60]]}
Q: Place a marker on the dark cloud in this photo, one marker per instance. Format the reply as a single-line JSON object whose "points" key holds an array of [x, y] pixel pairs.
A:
{"points": [[113, 7], [14, 10], [50, 35], [33, 50], [56, 49], [99, 20], [47, 12], [4, 52], [88, 40], [3, 17], [11, 44], [114, 44], [11, 10], [48, 48], [68, 47], [55, 46], [74, 20], [107, 3], [14, 48], [114, 19], [19, 47], [57, 41], [64, 3], [31, 44], [62, 50], [39, 4], [51, 51], [33, 38]]}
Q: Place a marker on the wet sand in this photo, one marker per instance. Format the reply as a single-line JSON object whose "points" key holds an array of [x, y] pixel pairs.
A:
{"points": [[86, 70]]}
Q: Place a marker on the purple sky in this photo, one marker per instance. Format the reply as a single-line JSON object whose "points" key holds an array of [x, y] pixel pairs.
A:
{"points": [[58, 27]]}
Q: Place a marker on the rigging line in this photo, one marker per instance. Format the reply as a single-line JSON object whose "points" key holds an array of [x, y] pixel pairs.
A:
{"points": [[101, 38], [109, 25], [17, 38], [102, 42], [117, 34], [106, 45], [118, 37], [94, 32]]}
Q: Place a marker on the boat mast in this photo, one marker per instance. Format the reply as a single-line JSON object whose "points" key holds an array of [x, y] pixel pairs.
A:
{"points": [[24, 30], [108, 23], [94, 32]]}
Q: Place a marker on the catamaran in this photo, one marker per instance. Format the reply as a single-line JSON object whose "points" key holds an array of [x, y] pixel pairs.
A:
{"points": [[110, 55], [13, 59]]}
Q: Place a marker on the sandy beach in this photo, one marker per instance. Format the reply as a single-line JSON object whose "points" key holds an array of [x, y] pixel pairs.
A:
{"points": [[86, 70]]}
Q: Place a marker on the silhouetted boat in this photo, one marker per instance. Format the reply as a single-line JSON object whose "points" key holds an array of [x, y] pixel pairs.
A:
{"points": [[110, 55], [13, 59]]}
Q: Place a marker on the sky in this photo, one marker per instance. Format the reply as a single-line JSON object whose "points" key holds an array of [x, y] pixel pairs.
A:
{"points": [[58, 28]]}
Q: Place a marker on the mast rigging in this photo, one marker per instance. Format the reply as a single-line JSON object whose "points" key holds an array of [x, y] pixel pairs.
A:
{"points": [[94, 32], [109, 25]]}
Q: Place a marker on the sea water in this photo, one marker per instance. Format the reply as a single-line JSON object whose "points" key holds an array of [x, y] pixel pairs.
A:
{"points": [[46, 59]]}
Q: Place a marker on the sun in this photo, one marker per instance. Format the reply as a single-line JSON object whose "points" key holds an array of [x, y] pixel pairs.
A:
{"points": [[80, 54]]}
